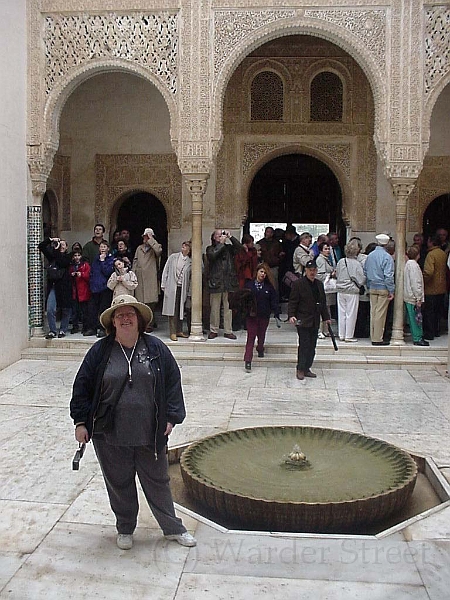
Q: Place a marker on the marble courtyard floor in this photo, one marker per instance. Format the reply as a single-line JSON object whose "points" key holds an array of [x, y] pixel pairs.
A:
{"points": [[57, 534]]}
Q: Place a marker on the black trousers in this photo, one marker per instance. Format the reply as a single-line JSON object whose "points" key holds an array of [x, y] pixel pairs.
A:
{"points": [[432, 311], [307, 340]]}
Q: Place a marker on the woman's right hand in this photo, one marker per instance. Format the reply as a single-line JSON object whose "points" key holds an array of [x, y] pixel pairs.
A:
{"points": [[81, 434]]}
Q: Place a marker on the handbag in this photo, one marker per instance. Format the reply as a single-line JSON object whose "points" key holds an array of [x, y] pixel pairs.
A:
{"points": [[361, 288], [418, 317], [55, 273], [329, 285], [289, 278], [105, 414]]}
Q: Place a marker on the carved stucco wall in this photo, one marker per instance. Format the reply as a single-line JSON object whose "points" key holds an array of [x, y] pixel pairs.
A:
{"points": [[68, 44], [346, 147], [59, 183], [119, 175], [436, 59], [360, 31], [433, 181]]}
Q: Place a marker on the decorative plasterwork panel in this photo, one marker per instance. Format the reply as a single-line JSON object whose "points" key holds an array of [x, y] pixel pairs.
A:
{"points": [[339, 153], [369, 26], [436, 45], [149, 40], [434, 181], [231, 27], [59, 182], [119, 174]]}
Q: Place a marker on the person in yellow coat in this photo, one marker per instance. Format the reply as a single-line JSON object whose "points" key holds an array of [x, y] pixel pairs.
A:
{"points": [[145, 266]]}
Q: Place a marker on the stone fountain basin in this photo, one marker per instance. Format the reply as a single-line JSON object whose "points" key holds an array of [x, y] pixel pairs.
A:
{"points": [[352, 480]]}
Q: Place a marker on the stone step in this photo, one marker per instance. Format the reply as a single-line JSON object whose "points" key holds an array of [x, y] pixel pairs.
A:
{"points": [[361, 354]]}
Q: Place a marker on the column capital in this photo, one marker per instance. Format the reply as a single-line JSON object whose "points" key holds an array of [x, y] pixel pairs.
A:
{"points": [[402, 186], [196, 183], [40, 162]]}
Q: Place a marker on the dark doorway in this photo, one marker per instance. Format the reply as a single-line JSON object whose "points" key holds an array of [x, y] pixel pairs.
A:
{"points": [[143, 210], [437, 215], [296, 188]]}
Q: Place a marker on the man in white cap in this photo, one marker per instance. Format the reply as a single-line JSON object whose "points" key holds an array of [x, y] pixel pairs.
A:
{"points": [[379, 271]]}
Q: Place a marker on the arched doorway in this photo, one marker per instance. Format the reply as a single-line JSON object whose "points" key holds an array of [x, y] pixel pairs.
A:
{"points": [[437, 215], [296, 189], [141, 210]]}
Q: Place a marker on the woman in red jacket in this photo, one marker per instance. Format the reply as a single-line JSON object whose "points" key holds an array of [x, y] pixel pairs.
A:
{"points": [[245, 263], [81, 293]]}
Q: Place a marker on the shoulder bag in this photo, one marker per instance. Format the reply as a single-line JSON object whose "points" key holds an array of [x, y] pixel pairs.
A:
{"points": [[362, 289]]}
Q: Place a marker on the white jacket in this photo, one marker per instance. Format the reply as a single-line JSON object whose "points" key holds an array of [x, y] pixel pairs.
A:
{"points": [[413, 289]]}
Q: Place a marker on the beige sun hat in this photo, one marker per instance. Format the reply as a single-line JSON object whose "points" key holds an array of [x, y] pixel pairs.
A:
{"points": [[125, 300], [148, 231]]}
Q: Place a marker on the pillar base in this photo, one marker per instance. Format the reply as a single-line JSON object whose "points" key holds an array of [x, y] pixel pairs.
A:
{"points": [[197, 338], [397, 340], [37, 332]]}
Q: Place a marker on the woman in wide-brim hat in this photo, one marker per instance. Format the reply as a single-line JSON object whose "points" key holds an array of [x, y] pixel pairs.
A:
{"points": [[133, 375]]}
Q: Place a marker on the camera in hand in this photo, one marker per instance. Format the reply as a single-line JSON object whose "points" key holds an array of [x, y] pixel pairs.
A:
{"points": [[56, 243]]}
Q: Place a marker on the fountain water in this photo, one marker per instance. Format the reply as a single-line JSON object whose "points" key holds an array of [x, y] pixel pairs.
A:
{"points": [[302, 479]]}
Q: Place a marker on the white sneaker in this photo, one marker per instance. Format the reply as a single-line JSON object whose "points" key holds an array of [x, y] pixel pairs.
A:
{"points": [[184, 539], [321, 335], [125, 541], [351, 340]]}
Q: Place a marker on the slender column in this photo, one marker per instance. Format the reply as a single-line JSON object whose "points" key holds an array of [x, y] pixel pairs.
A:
{"points": [[35, 267], [197, 187], [402, 188]]}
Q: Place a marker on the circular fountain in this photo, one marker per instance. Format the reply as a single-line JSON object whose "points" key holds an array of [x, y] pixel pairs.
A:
{"points": [[299, 479]]}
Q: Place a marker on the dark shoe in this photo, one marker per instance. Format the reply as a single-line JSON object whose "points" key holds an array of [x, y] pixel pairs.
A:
{"points": [[61, 334], [101, 333], [50, 335], [248, 367], [422, 343], [89, 332], [74, 330], [310, 374], [154, 325], [230, 336], [212, 335], [300, 375], [261, 354], [380, 343]]}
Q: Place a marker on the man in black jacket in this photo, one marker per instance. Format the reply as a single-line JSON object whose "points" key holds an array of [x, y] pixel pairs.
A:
{"points": [[307, 304]]}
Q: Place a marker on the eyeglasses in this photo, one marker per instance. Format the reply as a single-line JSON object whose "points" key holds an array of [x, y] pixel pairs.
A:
{"points": [[125, 315]]}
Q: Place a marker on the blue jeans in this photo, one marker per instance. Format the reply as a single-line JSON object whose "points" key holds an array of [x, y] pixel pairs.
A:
{"points": [[51, 314]]}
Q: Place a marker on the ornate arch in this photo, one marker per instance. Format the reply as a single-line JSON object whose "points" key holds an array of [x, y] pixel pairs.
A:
{"points": [[120, 175], [429, 106], [254, 161], [289, 22], [433, 181], [60, 93]]}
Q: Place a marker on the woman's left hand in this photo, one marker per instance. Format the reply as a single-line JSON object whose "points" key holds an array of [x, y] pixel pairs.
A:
{"points": [[169, 429]]}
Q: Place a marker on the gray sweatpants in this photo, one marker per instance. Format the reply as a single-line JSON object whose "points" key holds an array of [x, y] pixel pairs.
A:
{"points": [[119, 465]]}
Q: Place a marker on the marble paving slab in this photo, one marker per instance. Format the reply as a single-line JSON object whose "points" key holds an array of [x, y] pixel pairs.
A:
{"points": [[63, 567], [369, 560], [9, 564], [372, 396], [426, 444], [433, 563], [25, 524], [219, 587], [340, 379], [405, 418], [283, 377]]}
